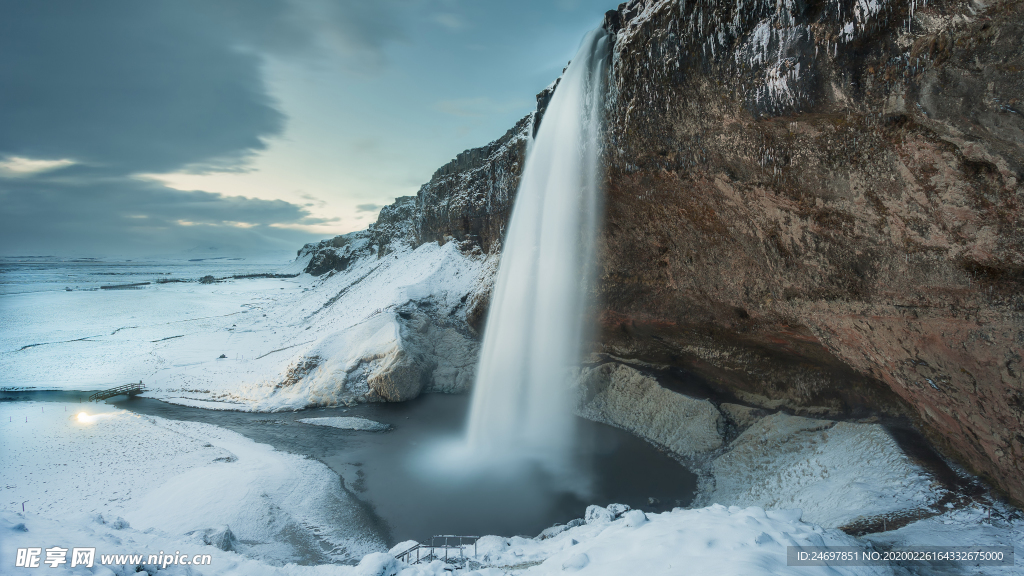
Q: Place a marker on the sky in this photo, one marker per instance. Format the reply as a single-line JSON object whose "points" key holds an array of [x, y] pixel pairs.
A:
{"points": [[168, 127]]}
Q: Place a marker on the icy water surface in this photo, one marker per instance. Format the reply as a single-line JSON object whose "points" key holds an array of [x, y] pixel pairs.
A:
{"points": [[383, 469]]}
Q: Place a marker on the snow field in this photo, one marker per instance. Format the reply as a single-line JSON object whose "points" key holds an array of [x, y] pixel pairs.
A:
{"points": [[174, 477], [86, 340], [171, 336], [167, 478]]}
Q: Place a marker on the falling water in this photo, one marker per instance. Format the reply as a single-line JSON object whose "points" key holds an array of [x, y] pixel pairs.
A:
{"points": [[535, 326]]}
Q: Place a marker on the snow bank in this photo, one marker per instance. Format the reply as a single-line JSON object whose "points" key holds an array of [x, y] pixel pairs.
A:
{"points": [[128, 484], [369, 332], [713, 540], [835, 472], [174, 477], [347, 423]]}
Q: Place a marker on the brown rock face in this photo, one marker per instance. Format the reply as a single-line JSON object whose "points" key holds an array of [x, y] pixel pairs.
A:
{"points": [[471, 197], [806, 203]]}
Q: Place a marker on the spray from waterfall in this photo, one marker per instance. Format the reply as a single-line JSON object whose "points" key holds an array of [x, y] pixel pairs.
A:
{"points": [[535, 325]]}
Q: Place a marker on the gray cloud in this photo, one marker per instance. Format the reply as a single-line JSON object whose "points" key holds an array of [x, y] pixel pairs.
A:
{"points": [[122, 87], [357, 29], [368, 207], [129, 217], [127, 87]]}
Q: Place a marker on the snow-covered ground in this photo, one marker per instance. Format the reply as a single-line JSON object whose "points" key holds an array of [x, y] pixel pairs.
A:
{"points": [[248, 344], [130, 484], [141, 485], [70, 462]]}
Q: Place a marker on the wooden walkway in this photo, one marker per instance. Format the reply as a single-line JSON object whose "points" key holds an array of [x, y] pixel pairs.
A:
{"points": [[127, 389]]}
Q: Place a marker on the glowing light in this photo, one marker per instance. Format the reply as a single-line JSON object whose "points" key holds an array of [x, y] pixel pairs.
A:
{"points": [[85, 418]]}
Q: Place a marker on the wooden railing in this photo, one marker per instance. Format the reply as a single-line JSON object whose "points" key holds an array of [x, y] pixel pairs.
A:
{"points": [[128, 389]]}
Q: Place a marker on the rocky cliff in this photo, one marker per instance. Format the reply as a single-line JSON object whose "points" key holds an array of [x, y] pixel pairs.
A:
{"points": [[818, 205], [811, 206]]}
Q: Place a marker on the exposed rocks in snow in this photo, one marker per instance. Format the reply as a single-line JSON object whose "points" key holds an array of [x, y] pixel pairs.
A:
{"points": [[622, 396], [741, 416], [391, 356], [395, 226], [220, 537], [447, 353], [336, 254]]}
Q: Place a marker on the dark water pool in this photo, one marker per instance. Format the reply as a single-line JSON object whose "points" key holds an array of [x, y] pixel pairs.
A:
{"points": [[384, 469]]}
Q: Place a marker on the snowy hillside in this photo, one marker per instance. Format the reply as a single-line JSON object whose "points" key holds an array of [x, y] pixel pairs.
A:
{"points": [[387, 326]]}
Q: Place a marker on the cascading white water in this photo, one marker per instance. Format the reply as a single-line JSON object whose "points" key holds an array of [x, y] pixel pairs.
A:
{"points": [[535, 325]]}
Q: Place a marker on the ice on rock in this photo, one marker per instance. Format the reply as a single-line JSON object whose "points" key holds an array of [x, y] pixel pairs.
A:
{"points": [[624, 397], [598, 515], [552, 531], [491, 547], [220, 537], [634, 518], [348, 423], [618, 509], [821, 471]]}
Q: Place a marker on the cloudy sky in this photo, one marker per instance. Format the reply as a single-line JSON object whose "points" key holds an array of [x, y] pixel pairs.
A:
{"points": [[159, 127]]}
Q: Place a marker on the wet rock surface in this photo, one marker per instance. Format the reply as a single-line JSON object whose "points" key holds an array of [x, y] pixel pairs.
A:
{"points": [[622, 396], [819, 207]]}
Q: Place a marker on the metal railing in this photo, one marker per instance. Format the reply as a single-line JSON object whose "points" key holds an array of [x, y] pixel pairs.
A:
{"points": [[426, 553], [129, 389]]}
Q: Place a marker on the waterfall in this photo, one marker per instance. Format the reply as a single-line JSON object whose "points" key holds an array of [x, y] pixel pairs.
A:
{"points": [[535, 326]]}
